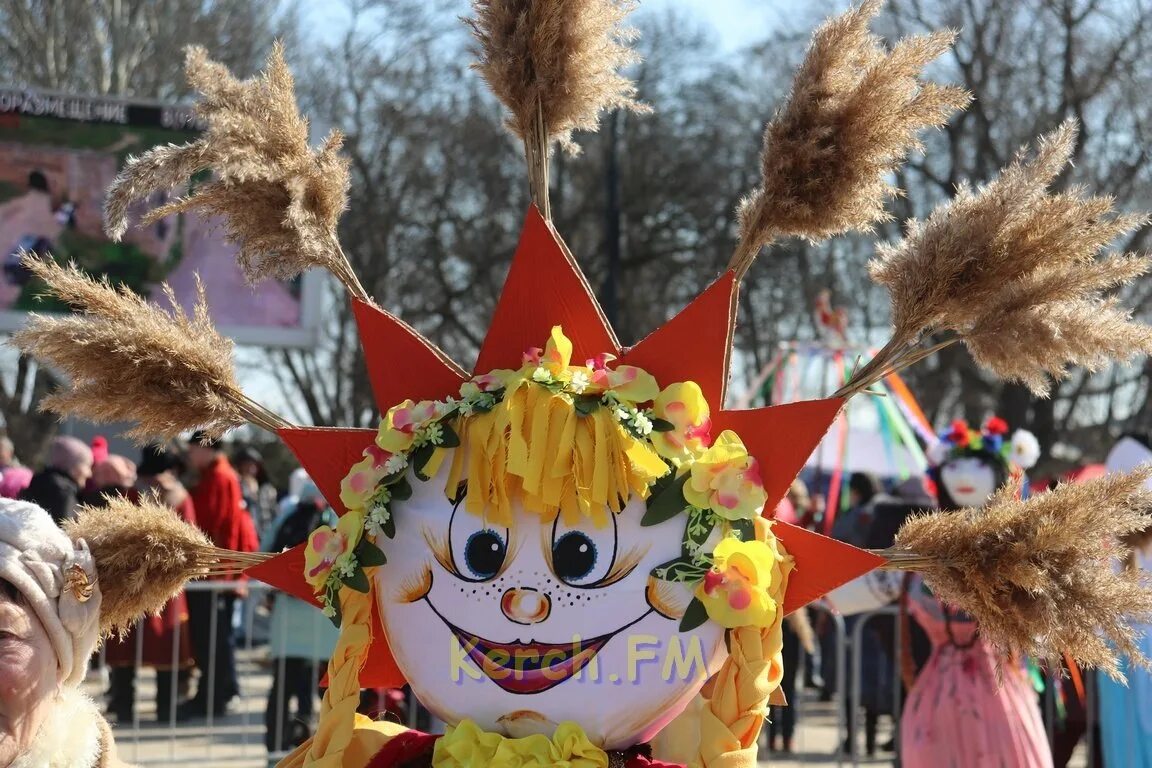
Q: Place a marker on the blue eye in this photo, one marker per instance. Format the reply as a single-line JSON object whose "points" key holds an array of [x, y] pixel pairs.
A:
{"points": [[573, 556], [484, 553]]}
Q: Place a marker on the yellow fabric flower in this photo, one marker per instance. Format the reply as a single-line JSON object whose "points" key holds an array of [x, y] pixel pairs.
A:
{"points": [[327, 546], [467, 746], [727, 480], [557, 353], [737, 591], [360, 483], [684, 407], [399, 425]]}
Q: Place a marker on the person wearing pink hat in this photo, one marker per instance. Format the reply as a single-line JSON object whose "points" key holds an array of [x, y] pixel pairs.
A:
{"points": [[57, 487]]}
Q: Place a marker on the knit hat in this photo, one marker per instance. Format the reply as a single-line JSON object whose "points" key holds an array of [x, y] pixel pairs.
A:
{"points": [[67, 453], [57, 578], [114, 472]]}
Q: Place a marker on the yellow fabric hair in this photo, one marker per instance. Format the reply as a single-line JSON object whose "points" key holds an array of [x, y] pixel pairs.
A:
{"points": [[536, 448], [368, 737], [338, 719], [731, 717]]}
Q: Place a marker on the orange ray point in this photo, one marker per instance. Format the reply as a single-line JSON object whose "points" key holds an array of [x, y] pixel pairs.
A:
{"points": [[402, 364], [780, 437], [327, 454], [695, 344], [545, 287], [822, 564]]}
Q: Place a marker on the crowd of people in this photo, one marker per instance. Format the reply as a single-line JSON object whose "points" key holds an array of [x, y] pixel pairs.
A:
{"points": [[192, 643]]}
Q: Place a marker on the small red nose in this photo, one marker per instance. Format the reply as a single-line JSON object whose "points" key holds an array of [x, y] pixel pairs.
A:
{"points": [[525, 606]]}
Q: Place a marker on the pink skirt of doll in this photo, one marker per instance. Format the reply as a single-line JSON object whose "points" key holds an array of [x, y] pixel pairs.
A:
{"points": [[959, 714]]}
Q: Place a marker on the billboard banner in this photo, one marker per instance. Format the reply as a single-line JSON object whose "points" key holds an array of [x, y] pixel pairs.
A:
{"points": [[58, 154]]}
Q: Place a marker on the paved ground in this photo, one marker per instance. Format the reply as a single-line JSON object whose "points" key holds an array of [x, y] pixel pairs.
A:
{"points": [[236, 741]]}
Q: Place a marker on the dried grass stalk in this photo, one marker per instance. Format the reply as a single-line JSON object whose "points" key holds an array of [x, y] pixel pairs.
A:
{"points": [[280, 199], [1038, 575], [852, 117], [555, 65], [144, 555], [130, 360], [1015, 272]]}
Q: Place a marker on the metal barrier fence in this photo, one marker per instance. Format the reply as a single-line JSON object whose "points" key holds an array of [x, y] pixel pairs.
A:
{"points": [[238, 739]]}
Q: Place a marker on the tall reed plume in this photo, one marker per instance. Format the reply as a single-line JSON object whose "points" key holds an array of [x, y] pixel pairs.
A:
{"points": [[851, 119], [555, 65], [1038, 575], [1014, 271], [128, 359], [280, 199], [144, 555]]}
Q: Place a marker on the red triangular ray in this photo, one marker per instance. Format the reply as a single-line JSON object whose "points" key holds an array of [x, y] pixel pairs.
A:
{"points": [[781, 437], [544, 288], [380, 670], [822, 564], [695, 344], [401, 363], [327, 454], [285, 571]]}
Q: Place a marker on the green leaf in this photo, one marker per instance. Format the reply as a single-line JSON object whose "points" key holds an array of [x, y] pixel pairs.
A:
{"points": [[745, 528], [661, 425], [666, 502], [389, 525], [334, 601], [419, 459], [701, 522], [401, 489], [450, 439], [682, 570], [368, 554], [694, 616], [357, 581], [586, 405]]}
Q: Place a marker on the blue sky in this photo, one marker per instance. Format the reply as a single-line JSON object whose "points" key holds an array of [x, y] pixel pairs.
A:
{"points": [[737, 22]]}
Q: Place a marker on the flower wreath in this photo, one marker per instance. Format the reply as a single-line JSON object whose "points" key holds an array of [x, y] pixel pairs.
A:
{"points": [[728, 550], [1022, 450]]}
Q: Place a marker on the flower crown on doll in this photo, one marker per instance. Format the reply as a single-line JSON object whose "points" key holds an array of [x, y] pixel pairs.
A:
{"points": [[1022, 450], [580, 441]]}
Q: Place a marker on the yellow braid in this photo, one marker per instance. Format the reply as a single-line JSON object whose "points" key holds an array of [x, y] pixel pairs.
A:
{"points": [[731, 718], [338, 709]]}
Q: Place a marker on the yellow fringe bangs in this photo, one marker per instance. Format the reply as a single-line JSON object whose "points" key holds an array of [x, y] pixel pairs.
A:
{"points": [[535, 448]]}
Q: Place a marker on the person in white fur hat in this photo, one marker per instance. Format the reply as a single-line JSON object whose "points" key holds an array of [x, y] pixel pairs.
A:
{"points": [[49, 626]]}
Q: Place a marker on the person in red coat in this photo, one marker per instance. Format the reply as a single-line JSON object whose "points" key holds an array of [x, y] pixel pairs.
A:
{"points": [[164, 641], [221, 515]]}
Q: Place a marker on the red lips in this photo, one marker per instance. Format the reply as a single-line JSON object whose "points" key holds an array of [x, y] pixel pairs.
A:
{"points": [[529, 667]]}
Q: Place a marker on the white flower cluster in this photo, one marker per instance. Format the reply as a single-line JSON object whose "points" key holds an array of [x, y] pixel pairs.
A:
{"points": [[345, 566], [395, 463], [641, 421], [376, 520], [430, 434], [579, 382]]}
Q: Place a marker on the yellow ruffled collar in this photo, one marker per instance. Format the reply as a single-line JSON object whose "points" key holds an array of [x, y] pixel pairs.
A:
{"points": [[467, 746]]}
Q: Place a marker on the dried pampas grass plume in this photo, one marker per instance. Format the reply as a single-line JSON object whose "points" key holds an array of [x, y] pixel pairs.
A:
{"points": [[144, 555], [852, 117], [280, 199], [1038, 575], [555, 65], [129, 360], [1014, 271]]}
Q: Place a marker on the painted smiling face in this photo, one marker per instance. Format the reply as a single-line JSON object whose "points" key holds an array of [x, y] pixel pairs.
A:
{"points": [[970, 481], [525, 626]]}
